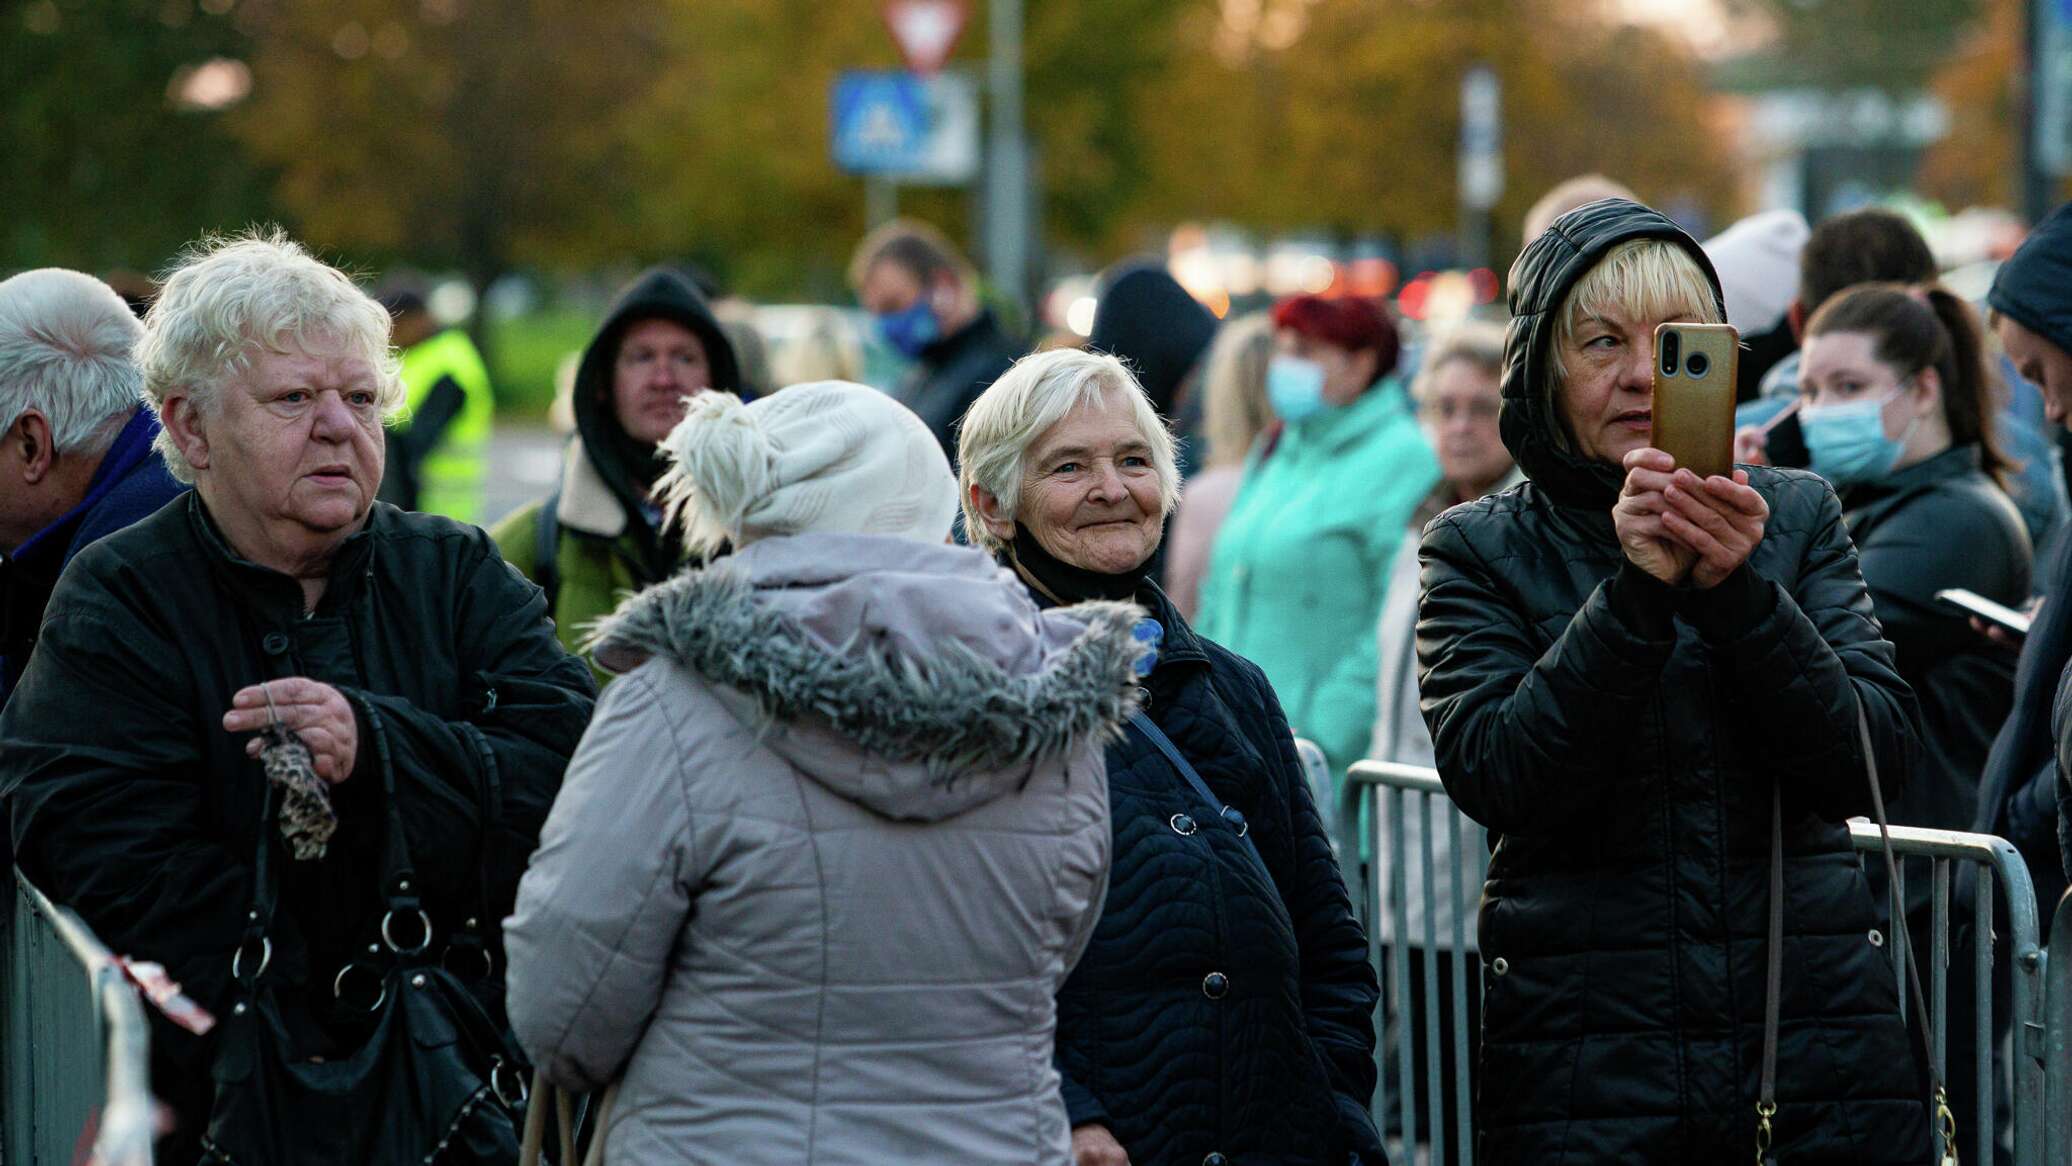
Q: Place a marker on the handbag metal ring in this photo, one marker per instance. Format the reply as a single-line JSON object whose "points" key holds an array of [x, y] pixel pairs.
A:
{"points": [[237, 959], [380, 985], [1238, 820], [488, 960], [501, 1071], [388, 936]]}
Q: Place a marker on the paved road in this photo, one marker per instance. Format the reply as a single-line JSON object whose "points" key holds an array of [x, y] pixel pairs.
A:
{"points": [[524, 464]]}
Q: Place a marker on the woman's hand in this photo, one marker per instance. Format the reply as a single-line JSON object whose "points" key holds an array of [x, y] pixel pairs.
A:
{"points": [[1720, 519], [317, 712], [1638, 517], [1093, 1145]]}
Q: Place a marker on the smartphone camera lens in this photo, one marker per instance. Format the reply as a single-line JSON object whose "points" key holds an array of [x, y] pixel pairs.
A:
{"points": [[1671, 344], [1697, 364]]}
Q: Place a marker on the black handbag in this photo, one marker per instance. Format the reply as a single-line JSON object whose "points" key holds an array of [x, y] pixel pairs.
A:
{"points": [[437, 1080]]}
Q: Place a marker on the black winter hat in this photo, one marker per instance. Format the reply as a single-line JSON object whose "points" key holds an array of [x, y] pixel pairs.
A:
{"points": [[2034, 287], [1146, 318]]}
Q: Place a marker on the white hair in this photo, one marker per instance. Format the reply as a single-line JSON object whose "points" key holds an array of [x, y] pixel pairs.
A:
{"points": [[994, 439], [231, 298], [67, 350]]}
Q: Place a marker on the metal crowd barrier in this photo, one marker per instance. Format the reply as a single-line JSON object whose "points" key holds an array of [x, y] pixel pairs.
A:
{"points": [[74, 1046], [1383, 796]]}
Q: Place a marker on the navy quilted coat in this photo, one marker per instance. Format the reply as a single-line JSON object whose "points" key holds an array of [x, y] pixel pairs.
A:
{"points": [[1222, 1013], [1621, 740]]}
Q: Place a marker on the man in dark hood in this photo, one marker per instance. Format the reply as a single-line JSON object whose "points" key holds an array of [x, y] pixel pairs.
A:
{"points": [[1146, 318], [600, 533], [2024, 795]]}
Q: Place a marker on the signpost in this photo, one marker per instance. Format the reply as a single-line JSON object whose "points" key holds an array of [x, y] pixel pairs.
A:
{"points": [[925, 31], [912, 129], [1481, 159]]}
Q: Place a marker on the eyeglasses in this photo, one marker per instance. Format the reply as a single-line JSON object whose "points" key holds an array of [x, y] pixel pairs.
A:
{"points": [[1479, 409]]}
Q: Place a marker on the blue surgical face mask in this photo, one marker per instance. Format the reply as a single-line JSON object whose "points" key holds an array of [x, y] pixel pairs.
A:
{"points": [[1848, 443], [911, 329], [1295, 388]]}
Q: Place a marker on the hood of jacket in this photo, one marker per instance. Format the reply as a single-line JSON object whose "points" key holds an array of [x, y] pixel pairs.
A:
{"points": [[914, 679], [1146, 318], [1540, 281], [625, 466], [2034, 286]]}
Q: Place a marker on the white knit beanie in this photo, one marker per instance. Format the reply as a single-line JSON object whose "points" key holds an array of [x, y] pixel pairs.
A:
{"points": [[1758, 264], [828, 456]]}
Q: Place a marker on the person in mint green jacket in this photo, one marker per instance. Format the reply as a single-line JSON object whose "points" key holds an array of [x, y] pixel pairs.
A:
{"points": [[1296, 578]]}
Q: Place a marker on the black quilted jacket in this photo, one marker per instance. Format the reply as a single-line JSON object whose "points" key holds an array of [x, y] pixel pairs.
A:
{"points": [[1220, 1015], [1620, 740]]}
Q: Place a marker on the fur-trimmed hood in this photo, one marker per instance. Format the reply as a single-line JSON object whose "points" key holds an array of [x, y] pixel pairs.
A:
{"points": [[918, 680]]}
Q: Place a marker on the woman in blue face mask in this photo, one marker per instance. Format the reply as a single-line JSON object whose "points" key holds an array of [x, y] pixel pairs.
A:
{"points": [[1898, 415], [1296, 574]]}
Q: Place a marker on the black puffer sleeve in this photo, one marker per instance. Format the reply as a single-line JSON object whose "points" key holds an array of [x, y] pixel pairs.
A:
{"points": [[1799, 674], [1519, 733]]}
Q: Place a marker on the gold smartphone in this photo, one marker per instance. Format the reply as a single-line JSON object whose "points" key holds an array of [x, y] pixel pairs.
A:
{"points": [[1695, 367]]}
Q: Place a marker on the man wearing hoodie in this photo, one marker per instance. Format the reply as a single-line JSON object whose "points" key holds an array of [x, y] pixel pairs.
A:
{"points": [[2023, 794], [600, 533]]}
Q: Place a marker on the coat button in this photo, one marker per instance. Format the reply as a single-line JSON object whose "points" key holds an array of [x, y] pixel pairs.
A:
{"points": [[1182, 824], [1500, 966], [1877, 940], [1215, 985], [1143, 698], [275, 643], [1215, 1158]]}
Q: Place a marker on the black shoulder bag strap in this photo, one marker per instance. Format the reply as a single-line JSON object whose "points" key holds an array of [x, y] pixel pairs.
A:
{"points": [[1766, 1104], [546, 550], [1232, 817]]}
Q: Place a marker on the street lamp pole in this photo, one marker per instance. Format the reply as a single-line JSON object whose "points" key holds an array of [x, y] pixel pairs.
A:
{"points": [[1007, 169]]}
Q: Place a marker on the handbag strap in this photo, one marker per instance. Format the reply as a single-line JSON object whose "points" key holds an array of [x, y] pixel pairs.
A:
{"points": [[1766, 1103], [1232, 817]]}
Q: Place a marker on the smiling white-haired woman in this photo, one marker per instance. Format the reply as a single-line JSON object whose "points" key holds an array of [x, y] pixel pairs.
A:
{"points": [[420, 674], [1222, 1012]]}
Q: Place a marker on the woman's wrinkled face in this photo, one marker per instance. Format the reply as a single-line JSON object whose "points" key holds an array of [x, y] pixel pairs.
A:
{"points": [[293, 448], [1090, 495], [1460, 410], [1607, 399]]}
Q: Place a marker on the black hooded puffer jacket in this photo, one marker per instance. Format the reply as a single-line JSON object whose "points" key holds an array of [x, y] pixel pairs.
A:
{"points": [[1620, 740]]}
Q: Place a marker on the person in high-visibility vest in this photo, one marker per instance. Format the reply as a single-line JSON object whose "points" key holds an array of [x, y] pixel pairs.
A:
{"points": [[438, 453]]}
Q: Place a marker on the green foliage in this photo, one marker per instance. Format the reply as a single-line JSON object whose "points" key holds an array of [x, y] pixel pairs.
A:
{"points": [[101, 169], [527, 352]]}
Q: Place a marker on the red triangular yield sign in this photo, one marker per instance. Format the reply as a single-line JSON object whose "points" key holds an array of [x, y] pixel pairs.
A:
{"points": [[925, 30]]}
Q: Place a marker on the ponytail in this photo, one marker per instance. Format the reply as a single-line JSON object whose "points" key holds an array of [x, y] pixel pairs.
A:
{"points": [[720, 466], [1914, 328]]}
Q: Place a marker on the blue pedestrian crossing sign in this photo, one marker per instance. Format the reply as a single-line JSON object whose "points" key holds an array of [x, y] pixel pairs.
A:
{"points": [[881, 123]]}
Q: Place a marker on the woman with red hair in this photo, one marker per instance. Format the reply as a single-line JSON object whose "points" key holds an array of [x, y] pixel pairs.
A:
{"points": [[1296, 578]]}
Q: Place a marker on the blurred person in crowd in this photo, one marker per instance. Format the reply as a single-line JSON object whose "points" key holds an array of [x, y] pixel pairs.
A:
{"points": [[848, 737], [1222, 1012], [135, 288], [2023, 797], [438, 452], [1566, 196], [1296, 576], [751, 352], [1647, 687], [1235, 413], [1145, 317], [825, 350], [76, 456], [1458, 390], [924, 296], [1758, 264], [1898, 416], [601, 533], [417, 671], [1875, 245]]}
